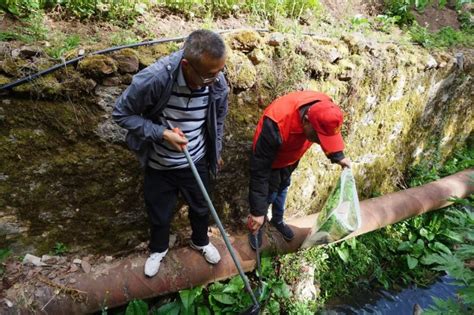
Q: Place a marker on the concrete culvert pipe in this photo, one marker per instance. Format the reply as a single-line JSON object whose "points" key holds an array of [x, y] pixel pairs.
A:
{"points": [[115, 284]]}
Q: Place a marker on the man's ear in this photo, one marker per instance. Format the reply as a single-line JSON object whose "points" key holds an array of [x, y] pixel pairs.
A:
{"points": [[184, 62]]}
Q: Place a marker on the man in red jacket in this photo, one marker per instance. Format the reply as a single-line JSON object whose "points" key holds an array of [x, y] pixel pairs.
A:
{"points": [[287, 129]]}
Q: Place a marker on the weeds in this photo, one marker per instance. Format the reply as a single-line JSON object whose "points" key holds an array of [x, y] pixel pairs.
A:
{"points": [[63, 45], [4, 254], [445, 37], [33, 31], [60, 248]]}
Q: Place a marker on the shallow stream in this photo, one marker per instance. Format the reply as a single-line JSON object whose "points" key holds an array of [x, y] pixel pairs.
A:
{"points": [[389, 302]]}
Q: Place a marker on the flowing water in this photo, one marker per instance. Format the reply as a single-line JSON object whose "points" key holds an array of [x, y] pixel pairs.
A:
{"points": [[388, 303]]}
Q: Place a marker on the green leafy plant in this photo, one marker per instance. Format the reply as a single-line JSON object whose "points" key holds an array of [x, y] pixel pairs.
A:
{"points": [[190, 302], [453, 263], [137, 307], [62, 46], [60, 248], [445, 37], [4, 254]]}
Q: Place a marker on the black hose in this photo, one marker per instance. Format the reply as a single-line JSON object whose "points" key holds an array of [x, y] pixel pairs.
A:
{"points": [[11, 85], [31, 77]]}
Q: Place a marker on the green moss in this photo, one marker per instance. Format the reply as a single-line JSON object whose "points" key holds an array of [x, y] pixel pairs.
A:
{"points": [[245, 41], [12, 67], [147, 55], [242, 73], [5, 80], [97, 66], [45, 86]]}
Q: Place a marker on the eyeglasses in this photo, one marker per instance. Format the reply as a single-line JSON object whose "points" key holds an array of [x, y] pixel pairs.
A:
{"points": [[205, 80]]}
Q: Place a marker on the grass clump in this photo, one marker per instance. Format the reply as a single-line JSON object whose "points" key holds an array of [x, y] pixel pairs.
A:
{"points": [[445, 37]]}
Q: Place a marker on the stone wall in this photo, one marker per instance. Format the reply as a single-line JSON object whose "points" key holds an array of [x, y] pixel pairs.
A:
{"points": [[66, 176]]}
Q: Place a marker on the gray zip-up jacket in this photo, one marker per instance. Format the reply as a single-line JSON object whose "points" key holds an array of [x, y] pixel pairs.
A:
{"points": [[139, 107]]}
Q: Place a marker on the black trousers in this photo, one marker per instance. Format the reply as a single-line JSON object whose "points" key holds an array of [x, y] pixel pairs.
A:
{"points": [[161, 190]]}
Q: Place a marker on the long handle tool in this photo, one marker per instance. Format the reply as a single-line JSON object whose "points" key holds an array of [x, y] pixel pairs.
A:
{"points": [[255, 308]]}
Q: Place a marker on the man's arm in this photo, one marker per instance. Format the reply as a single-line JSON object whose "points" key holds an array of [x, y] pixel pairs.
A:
{"points": [[266, 149], [140, 97], [221, 113], [339, 158]]}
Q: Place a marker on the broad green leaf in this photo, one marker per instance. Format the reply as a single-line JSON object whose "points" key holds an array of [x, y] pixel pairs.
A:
{"points": [[137, 307], [441, 247], [412, 262], [235, 285], [404, 246], [423, 232], [417, 248], [203, 310], [454, 236], [223, 298], [188, 296], [465, 251], [168, 309]]}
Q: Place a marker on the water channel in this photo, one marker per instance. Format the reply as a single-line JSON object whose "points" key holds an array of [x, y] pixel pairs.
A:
{"points": [[392, 303]]}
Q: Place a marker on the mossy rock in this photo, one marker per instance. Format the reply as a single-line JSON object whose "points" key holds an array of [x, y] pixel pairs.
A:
{"points": [[12, 67], [147, 55], [75, 84], [97, 66], [4, 80], [241, 72], [127, 60], [245, 41], [46, 86]]}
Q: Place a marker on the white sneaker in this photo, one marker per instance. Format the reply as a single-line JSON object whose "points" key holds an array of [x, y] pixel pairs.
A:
{"points": [[209, 251], [152, 264]]}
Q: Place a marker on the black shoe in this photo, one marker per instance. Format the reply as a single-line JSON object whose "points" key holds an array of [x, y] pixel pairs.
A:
{"points": [[253, 239], [284, 229]]}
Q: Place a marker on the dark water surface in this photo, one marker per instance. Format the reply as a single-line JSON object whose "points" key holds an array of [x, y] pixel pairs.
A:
{"points": [[396, 303]]}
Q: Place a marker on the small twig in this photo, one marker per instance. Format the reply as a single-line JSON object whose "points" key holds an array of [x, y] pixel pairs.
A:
{"points": [[42, 309]]}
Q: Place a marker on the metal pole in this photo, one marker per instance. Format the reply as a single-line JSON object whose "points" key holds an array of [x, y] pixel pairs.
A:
{"points": [[219, 225]]}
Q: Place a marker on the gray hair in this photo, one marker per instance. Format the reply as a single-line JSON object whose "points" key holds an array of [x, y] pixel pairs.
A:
{"points": [[203, 42]]}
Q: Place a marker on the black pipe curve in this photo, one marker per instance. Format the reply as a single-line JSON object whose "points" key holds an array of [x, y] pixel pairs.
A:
{"points": [[31, 77]]}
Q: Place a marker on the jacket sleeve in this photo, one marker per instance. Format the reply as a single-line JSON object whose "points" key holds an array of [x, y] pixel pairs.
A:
{"points": [[222, 110], [336, 156], [139, 98], [266, 149]]}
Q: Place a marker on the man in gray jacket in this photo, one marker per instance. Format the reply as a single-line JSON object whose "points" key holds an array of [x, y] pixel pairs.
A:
{"points": [[185, 92]]}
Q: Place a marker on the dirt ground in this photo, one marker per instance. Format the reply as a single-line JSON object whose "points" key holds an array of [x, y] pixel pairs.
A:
{"points": [[435, 18]]}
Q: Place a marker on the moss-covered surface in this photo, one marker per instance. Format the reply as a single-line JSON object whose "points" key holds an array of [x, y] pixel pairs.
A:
{"points": [[63, 182], [68, 185]]}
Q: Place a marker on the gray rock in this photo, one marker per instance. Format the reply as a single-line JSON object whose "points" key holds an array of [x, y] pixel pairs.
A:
{"points": [[257, 56], [30, 51], [86, 266], [34, 260], [334, 55], [127, 63], [49, 259], [431, 63], [77, 261], [172, 241], [15, 53]]}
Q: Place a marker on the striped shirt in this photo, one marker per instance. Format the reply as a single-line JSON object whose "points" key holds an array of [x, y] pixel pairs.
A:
{"points": [[186, 110]]}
